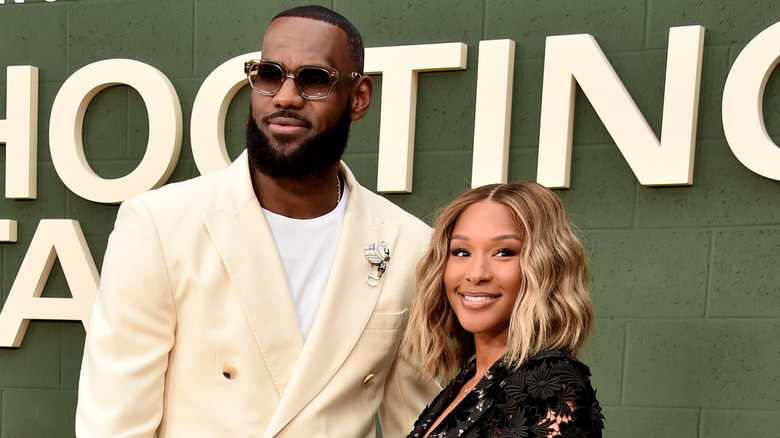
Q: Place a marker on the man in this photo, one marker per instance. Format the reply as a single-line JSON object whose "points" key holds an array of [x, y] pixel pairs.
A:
{"points": [[241, 303]]}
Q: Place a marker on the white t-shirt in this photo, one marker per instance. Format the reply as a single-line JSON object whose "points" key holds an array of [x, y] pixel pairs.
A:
{"points": [[307, 248]]}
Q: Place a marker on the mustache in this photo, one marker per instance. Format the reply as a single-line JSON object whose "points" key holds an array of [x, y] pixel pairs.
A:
{"points": [[287, 114]]}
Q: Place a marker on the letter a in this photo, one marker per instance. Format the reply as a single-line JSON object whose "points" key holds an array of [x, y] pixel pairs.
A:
{"points": [[54, 238]]}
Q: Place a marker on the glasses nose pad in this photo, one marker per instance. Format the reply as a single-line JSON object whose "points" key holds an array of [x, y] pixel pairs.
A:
{"points": [[283, 82]]}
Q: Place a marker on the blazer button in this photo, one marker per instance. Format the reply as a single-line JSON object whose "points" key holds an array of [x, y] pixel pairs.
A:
{"points": [[367, 379], [230, 372]]}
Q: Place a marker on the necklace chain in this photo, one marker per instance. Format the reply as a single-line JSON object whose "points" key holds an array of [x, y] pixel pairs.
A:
{"points": [[338, 189]]}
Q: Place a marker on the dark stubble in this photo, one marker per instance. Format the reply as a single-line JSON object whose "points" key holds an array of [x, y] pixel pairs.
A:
{"points": [[314, 154]]}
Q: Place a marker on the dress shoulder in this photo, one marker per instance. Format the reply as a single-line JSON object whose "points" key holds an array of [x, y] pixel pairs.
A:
{"points": [[550, 395]]}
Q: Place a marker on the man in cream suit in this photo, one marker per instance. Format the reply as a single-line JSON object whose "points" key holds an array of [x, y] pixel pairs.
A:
{"points": [[239, 303]]}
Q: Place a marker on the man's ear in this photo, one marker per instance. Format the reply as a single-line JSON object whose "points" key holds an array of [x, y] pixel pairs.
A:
{"points": [[361, 97]]}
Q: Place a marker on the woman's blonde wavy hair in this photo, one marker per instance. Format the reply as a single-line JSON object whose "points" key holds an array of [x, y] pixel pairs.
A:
{"points": [[553, 309]]}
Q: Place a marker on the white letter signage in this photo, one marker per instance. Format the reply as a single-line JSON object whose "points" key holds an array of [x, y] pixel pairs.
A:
{"points": [[19, 132], [67, 118], [54, 238], [577, 59], [743, 116], [399, 66]]}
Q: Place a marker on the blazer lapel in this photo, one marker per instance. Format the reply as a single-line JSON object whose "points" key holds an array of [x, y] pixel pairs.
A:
{"points": [[240, 232], [346, 307]]}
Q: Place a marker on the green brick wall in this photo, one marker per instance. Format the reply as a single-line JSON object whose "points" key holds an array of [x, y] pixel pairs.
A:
{"points": [[685, 280]]}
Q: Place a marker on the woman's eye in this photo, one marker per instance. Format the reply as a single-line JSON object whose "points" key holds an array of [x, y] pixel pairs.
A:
{"points": [[505, 252], [458, 252]]}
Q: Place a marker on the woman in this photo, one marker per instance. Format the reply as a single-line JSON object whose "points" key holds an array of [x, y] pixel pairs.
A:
{"points": [[503, 296]]}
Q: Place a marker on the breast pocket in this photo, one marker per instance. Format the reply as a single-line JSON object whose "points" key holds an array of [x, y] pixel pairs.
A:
{"points": [[388, 321]]}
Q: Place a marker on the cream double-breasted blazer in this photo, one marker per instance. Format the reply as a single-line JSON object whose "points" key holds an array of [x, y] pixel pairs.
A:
{"points": [[193, 331]]}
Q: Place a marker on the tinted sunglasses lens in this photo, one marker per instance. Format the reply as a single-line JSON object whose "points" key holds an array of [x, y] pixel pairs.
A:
{"points": [[268, 78], [314, 81]]}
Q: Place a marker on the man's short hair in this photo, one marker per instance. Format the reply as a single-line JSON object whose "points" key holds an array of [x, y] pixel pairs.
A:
{"points": [[355, 49]]}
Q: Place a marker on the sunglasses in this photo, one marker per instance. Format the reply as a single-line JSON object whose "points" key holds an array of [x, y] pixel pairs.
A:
{"points": [[313, 81]]}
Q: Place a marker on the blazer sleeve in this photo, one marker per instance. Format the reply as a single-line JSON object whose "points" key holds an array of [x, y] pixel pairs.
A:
{"points": [[130, 335], [406, 396]]}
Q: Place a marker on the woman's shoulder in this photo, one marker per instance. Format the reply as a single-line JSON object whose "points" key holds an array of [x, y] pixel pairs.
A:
{"points": [[552, 386], [548, 371], [554, 360]]}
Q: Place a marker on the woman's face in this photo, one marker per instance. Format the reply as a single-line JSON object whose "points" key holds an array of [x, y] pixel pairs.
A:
{"points": [[482, 277]]}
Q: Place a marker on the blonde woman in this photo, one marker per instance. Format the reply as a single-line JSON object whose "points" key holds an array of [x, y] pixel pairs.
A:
{"points": [[502, 297]]}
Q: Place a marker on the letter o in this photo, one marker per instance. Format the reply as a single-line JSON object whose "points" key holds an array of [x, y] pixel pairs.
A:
{"points": [[67, 120], [743, 117], [207, 127]]}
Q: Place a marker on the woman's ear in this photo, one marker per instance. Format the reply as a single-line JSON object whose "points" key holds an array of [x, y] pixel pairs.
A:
{"points": [[361, 97]]}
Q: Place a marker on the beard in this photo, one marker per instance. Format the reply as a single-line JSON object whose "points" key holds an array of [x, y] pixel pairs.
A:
{"points": [[311, 157]]}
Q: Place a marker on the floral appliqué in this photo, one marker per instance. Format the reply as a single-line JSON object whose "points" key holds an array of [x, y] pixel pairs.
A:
{"points": [[549, 396]]}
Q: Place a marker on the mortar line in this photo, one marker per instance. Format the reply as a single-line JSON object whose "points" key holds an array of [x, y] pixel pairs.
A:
{"points": [[625, 366], [484, 19], [708, 278], [646, 24], [699, 424], [194, 40], [636, 206]]}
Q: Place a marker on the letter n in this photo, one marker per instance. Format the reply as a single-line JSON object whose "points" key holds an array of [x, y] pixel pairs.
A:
{"points": [[577, 59]]}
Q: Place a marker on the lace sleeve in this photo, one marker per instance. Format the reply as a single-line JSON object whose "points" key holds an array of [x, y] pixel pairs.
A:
{"points": [[560, 421], [551, 397]]}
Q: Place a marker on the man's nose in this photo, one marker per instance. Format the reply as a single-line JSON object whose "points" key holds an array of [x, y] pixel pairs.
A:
{"points": [[288, 95]]}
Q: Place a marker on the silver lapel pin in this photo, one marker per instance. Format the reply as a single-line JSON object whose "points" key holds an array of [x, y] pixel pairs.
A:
{"points": [[378, 255]]}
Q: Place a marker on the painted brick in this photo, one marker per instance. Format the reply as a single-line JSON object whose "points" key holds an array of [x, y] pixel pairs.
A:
{"points": [[449, 178], [526, 101], [715, 66], [401, 22], [159, 33], [745, 282], [22, 39], [27, 213], [137, 125], [235, 122], [647, 273], [445, 100], [72, 350], [522, 164], [364, 134], [35, 364], [727, 424], [771, 105], [56, 283], [726, 21], [713, 363], [622, 422], [603, 189], [38, 413], [105, 128], [46, 94], [724, 193], [604, 355], [95, 219], [530, 22], [224, 32], [187, 89]]}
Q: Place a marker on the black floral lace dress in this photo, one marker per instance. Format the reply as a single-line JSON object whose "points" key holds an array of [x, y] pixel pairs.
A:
{"points": [[549, 396]]}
